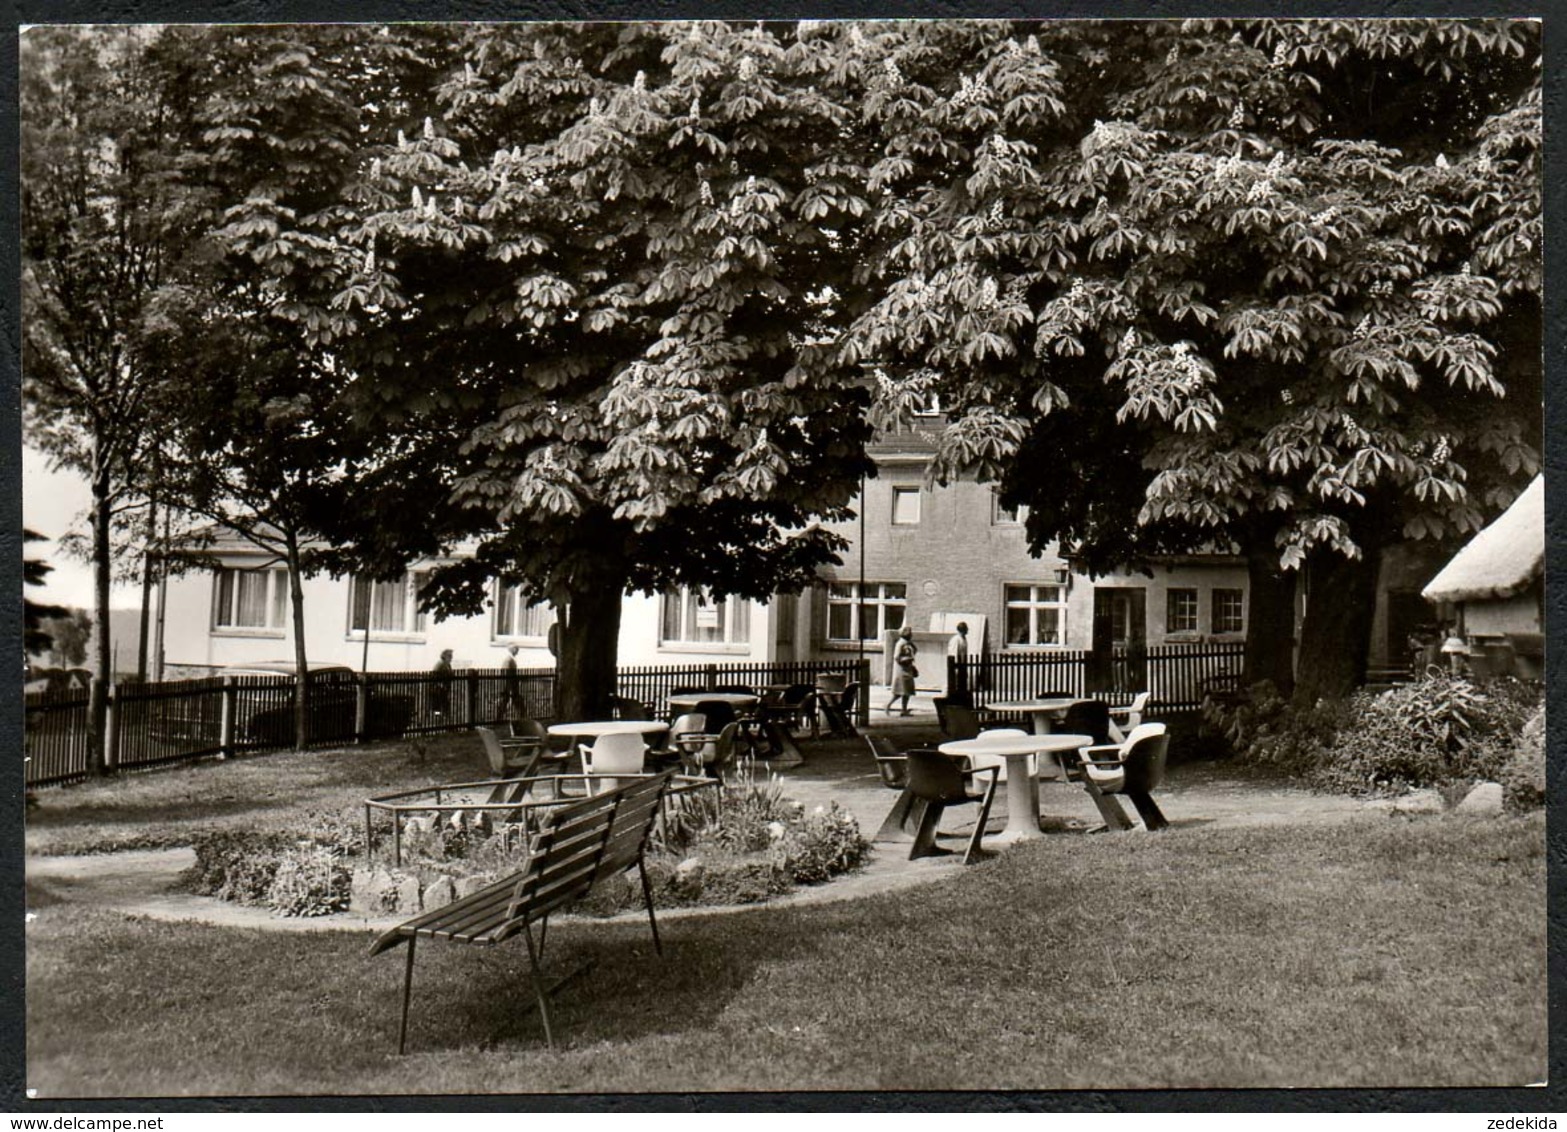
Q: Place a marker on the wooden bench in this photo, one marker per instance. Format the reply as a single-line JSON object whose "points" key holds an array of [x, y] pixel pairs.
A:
{"points": [[579, 843]]}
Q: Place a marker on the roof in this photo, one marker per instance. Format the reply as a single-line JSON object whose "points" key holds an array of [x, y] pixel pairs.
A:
{"points": [[1501, 560]]}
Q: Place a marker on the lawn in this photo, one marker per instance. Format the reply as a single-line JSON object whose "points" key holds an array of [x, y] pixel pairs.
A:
{"points": [[1372, 952], [168, 807]]}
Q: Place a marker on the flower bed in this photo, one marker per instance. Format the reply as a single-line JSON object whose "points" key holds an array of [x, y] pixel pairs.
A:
{"points": [[739, 843]]}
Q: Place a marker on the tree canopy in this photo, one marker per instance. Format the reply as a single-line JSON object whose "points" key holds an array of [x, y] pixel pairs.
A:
{"points": [[1267, 283], [617, 306]]}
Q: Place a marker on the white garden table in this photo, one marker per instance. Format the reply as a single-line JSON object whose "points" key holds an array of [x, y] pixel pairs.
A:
{"points": [[1044, 712], [1022, 782]]}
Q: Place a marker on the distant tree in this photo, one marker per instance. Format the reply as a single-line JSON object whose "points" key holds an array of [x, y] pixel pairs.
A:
{"points": [[106, 222], [70, 633], [37, 616], [1271, 284]]}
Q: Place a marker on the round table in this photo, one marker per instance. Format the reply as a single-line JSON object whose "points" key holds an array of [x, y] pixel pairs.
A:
{"points": [[1022, 783], [687, 701], [1043, 711], [610, 727]]}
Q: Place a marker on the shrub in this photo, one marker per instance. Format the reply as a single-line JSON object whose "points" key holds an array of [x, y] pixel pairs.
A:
{"points": [[1523, 774], [823, 845], [1262, 728], [1437, 730], [236, 866], [309, 880], [295, 875]]}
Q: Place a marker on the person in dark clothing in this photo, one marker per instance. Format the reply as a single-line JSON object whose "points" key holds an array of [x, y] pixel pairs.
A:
{"points": [[441, 686], [511, 705]]}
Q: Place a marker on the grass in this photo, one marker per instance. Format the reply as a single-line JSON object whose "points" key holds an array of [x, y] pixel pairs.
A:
{"points": [[1372, 952], [169, 807]]}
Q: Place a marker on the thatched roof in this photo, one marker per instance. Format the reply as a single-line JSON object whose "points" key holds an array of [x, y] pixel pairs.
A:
{"points": [[1501, 560]]}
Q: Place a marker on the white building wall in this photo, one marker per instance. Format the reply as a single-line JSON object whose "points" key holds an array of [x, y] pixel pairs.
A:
{"points": [[192, 645]]}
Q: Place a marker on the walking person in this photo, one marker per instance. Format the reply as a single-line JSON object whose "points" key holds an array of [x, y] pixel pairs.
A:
{"points": [[957, 654], [511, 702], [441, 686], [903, 679]]}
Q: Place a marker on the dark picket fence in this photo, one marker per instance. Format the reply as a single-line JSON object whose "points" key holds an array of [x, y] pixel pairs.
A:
{"points": [[156, 724], [652, 685], [55, 744], [1177, 676]]}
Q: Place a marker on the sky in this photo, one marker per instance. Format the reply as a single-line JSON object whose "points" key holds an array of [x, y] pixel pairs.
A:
{"points": [[54, 502]]}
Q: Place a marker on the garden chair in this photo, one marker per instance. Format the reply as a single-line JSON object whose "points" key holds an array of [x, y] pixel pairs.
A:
{"points": [[687, 730], [961, 722], [510, 758], [554, 761], [798, 707], [937, 782], [1091, 718], [839, 711], [890, 763], [718, 714], [1129, 716], [1132, 769], [627, 708], [611, 755], [942, 703], [716, 753]]}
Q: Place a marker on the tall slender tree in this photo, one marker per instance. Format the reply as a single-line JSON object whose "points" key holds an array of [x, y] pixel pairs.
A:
{"points": [[106, 222]]}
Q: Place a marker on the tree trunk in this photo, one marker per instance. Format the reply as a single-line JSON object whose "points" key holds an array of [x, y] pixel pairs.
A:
{"points": [[589, 639], [296, 601], [103, 663], [147, 559], [1335, 637], [1270, 620]]}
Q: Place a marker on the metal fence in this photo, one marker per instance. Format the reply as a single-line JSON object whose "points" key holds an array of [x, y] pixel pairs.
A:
{"points": [[182, 720], [1175, 676]]}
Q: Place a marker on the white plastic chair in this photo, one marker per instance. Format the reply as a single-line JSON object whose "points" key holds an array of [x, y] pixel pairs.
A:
{"points": [[613, 754], [1130, 717]]}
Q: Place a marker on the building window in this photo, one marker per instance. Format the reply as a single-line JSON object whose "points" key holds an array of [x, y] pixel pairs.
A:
{"points": [[250, 599], [1229, 611], [515, 618], [1036, 615], [690, 617], [387, 607], [852, 616], [1181, 611], [1003, 515], [905, 506]]}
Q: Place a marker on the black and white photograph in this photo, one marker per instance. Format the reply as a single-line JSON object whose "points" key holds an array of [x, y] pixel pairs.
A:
{"points": [[866, 555]]}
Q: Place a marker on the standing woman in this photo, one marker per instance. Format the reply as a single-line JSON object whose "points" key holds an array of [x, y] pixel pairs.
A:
{"points": [[903, 680]]}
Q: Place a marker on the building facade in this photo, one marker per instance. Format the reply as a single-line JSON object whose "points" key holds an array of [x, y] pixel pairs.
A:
{"points": [[929, 557], [921, 556], [237, 612]]}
